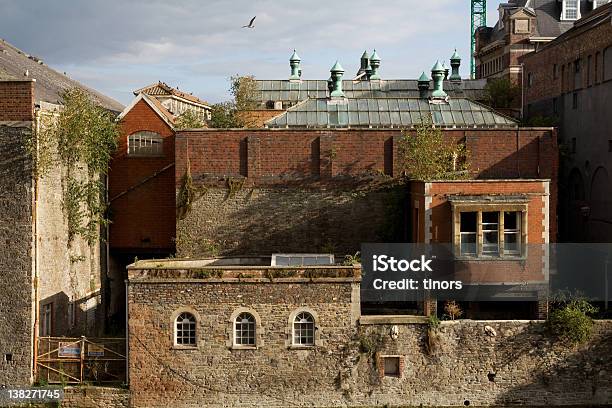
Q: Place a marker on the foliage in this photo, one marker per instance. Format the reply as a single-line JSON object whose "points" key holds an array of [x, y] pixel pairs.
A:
{"points": [[543, 121], [571, 321], [433, 322], [230, 114], [189, 120], [502, 93], [223, 116], [452, 309], [371, 343], [187, 194], [350, 260], [80, 141], [425, 155]]}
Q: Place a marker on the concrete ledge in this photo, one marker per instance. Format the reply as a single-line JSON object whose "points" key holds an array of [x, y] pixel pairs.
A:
{"points": [[392, 319]]}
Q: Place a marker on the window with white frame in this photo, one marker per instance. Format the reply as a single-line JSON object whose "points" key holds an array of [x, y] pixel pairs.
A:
{"points": [[185, 330], [490, 233], [145, 143], [304, 329], [571, 10], [244, 329]]}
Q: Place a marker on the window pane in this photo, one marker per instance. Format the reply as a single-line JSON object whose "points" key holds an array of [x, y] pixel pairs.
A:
{"points": [[490, 233], [145, 144], [186, 329], [245, 329], [468, 222], [303, 329]]}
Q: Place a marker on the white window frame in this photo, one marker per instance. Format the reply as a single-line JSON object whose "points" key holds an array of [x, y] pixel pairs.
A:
{"points": [[258, 330], [303, 324], [250, 321], [145, 143], [565, 10], [192, 321]]}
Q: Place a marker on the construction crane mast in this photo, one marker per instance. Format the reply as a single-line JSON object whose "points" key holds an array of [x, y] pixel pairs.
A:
{"points": [[479, 19]]}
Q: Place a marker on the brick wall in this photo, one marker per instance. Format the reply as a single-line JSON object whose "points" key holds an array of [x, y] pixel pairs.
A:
{"points": [[517, 363], [17, 100], [16, 261], [299, 189], [142, 210]]}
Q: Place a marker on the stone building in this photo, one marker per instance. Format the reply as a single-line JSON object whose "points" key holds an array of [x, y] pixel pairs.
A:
{"points": [[241, 333], [46, 288], [524, 26], [570, 83]]}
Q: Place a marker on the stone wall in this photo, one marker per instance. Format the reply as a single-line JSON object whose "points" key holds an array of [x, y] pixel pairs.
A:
{"points": [[15, 256], [95, 397], [509, 362], [265, 220]]}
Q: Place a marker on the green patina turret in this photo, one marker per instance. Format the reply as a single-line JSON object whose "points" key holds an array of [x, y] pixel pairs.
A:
{"points": [[455, 61], [423, 84], [437, 73], [446, 71], [336, 76], [375, 64], [294, 62], [365, 61]]}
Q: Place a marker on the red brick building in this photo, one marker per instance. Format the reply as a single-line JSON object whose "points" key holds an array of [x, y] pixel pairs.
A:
{"points": [[570, 83]]}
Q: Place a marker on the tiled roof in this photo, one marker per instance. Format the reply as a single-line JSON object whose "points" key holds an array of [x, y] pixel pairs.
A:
{"points": [[389, 113], [292, 92], [162, 88], [49, 83]]}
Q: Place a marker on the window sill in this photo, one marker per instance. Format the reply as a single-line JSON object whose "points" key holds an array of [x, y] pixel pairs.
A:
{"points": [[490, 258], [243, 347], [182, 347], [302, 347]]}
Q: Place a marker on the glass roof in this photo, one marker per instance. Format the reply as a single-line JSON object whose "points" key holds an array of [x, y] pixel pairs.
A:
{"points": [[389, 113]]}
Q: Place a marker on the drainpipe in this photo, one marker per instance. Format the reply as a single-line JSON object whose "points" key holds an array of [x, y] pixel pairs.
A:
{"points": [[522, 91], [36, 129], [127, 334]]}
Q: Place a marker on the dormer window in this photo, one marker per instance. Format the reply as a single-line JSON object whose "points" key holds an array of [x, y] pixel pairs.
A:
{"points": [[571, 10]]}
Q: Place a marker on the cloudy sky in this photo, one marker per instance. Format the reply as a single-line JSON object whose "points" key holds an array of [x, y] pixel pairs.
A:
{"points": [[117, 46]]}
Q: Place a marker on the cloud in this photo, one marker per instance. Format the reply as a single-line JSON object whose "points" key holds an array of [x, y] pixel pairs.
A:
{"points": [[201, 43]]}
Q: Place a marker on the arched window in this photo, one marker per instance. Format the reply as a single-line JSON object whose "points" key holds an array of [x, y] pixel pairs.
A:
{"points": [[185, 330], [303, 329], [244, 329], [145, 143]]}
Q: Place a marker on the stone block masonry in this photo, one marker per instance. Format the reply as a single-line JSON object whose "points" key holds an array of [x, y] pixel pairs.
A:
{"points": [[355, 362], [16, 280]]}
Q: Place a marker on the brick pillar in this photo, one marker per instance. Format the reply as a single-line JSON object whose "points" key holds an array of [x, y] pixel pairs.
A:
{"points": [[430, 306], [326, 155], [17, 100], [253, 155]]}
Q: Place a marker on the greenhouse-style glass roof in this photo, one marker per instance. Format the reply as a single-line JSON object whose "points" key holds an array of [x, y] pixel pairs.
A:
{"points": [[389, 113]]}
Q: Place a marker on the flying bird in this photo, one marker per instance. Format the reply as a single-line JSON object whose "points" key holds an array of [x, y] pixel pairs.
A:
{"points": [[250, 23]]}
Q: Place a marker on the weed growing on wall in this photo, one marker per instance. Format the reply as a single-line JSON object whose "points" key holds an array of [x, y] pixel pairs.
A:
{"points": [[426, 155], [571, 321], [80, 140]]}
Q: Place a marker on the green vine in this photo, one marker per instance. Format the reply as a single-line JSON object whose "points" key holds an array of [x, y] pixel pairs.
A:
{"points": [[188, 194], [80, 140]]}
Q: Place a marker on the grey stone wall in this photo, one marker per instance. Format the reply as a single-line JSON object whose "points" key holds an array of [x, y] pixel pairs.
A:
{"points": [[15, 257], [263, 220], [520, 364]]}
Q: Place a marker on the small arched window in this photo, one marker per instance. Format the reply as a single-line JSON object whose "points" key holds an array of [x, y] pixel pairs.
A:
{"points": [[145, 143], [185, 330], [244, 329], [304, 329]]}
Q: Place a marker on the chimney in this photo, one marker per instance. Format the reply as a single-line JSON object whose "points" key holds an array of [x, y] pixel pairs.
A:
{"points": [[437, 73], [423, 86], [336, 76], [455, 61], [365, 61], [446, 71], [375, 64], [294, 63]]}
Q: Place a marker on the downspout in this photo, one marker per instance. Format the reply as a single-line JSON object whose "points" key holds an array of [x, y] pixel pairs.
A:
{"points": [[127, 333]]}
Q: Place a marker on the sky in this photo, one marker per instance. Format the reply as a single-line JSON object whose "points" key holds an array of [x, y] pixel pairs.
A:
{"points": [[117, 46]]}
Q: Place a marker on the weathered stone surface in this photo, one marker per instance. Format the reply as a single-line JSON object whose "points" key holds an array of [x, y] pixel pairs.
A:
{"points": [[15, 257], [521, 364]]}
